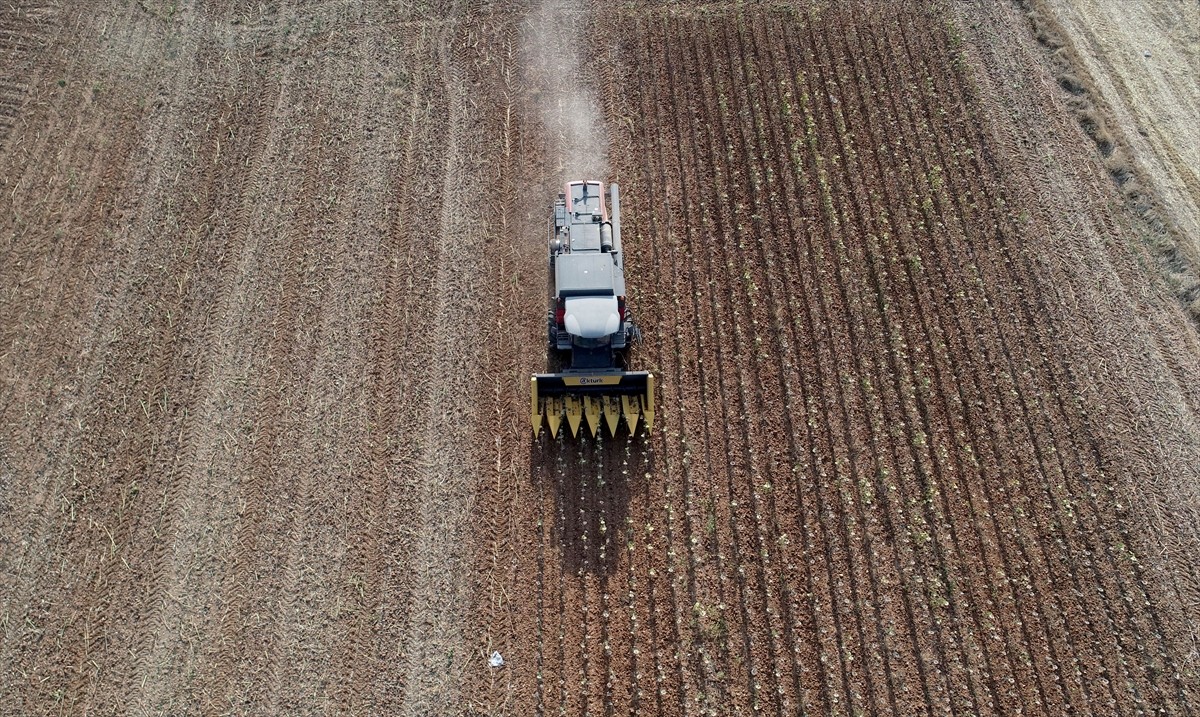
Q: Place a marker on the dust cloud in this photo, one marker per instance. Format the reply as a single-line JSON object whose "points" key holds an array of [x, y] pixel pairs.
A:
{"points": [[562, 81]]}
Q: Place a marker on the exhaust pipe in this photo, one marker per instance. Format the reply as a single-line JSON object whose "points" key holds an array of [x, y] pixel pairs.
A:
{"points": [[614, 197]]}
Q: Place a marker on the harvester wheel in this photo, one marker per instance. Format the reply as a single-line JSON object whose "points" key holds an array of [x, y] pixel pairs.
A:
{"points": [[635, 333]]}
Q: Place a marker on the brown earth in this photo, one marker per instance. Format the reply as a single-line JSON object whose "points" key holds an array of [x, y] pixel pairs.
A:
{"points": [[271, 286]]}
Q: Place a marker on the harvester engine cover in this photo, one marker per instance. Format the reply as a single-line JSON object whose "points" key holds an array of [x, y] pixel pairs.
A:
{"points": [[590, 327]]}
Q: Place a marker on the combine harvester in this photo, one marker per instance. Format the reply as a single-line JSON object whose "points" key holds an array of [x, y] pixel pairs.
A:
{"points": [[590, 327]]}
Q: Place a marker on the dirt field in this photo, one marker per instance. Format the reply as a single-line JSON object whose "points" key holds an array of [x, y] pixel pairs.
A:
{"points": [[271, 288]]}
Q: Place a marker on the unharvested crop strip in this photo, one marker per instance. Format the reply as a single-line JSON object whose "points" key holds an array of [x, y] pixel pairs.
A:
{"points": [[642, 609], [579, 562], [1056, 458], [642, 561], [917, 289], [690, 448], [757, 132], [918, 344], [944, 544], [839, 470], [956, 466], [786, 135], [843, 282], [675, 682], [1093, 524], [806, 162], [1029, 419], [542, 628], [917, 130], [871, 524], [877, 226], [756, 211], [588, 476], [709, 647], [611, 581], [734, 350], [755, 598], [918, 220], [925, 378]]}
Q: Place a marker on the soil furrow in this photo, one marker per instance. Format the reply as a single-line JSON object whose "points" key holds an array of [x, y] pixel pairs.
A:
{"points": [[918, 220], [943, 576], [1041, 429], [953, 399], [1057, 415]]}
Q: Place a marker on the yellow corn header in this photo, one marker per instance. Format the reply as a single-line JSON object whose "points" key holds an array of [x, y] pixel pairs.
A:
{"points": [[595, 399]]}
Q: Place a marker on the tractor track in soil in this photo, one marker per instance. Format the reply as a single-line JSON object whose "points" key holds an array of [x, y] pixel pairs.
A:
{"points": [[266, 293], [377, 557], [28, 31]]}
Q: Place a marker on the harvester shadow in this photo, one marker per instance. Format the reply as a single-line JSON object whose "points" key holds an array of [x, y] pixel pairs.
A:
{"points": [[590, 483]]}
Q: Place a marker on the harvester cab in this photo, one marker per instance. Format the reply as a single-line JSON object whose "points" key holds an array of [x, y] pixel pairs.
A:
{"points": [[590, 327]]}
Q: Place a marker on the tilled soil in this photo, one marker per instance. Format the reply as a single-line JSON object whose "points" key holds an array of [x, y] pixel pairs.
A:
{"points": [[273, 284]]}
